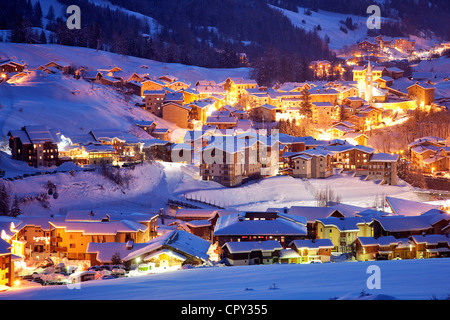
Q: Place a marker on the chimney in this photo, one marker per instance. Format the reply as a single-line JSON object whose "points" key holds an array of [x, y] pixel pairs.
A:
{"points": [[129, 245]]}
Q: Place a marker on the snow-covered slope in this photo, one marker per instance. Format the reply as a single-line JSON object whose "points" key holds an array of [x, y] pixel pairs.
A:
{"points": [[330, 24], [153, 24], [36, 55], [76, 106]]}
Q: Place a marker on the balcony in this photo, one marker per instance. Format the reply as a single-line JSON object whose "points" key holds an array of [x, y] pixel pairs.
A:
{"points": [[58, 249]]}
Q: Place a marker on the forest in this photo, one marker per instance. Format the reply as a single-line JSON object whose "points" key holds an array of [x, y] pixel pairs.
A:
{"points": [[213, 33]]}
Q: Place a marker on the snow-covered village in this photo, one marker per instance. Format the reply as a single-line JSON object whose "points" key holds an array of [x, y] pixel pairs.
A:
{"points": [[147, 155]]}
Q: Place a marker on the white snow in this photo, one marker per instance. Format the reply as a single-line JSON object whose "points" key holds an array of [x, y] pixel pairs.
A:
{"points": [[286, 191], [400, 279]]}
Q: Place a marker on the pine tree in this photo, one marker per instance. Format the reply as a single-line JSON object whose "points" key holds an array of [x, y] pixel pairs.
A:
{"points": [[4, 200], [15, 209], [43, 38], [305, 106], [51, 13], [37, 15]]}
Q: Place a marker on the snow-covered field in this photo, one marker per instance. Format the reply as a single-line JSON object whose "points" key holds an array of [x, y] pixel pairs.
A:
{"points": [[286, 191], [401, 279]]}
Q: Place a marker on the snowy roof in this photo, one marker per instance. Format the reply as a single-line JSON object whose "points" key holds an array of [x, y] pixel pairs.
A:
{"points": [[317, 153], [404, 207], [426, 140], [345, 224], [321, 90], [395, 69], [202, 103], [384, 157], [288, 253], [235, 224], [105, 251], [92, 148], [198, 223], [99, 215], [42, 222], [195, 213], [312, 244], [41, 134], [415, 223], [385, 78], [21, 135], [82, 139], [4, 247], [348, 210], [371, 213], [381, 241], [424, 148], [353, 135], [343, 128], [431, 239], [248, 246], [147, 143], [313, 213], [8, 226], [348, 147], [100, 228], [154, 92], [285, 138], [180, 240], [422, 75], [108, 134], [174, 96], [289, 86], [267, 106]]}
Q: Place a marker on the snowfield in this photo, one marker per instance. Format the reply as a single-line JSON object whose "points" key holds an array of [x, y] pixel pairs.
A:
{"points": [[399, 279], [286, 191]]}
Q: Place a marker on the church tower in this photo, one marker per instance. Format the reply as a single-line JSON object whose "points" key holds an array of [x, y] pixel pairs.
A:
{"points": [[369, 84]]}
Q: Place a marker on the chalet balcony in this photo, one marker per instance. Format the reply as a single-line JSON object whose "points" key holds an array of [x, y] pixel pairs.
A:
{"points": [[58, 249]]}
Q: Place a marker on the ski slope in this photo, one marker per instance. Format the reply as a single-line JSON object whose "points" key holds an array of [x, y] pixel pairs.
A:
{"points": [[330, 24]]}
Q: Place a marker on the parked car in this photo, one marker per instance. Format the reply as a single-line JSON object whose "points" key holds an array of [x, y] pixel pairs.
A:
{"points": [[118, 273], [82, 276]]}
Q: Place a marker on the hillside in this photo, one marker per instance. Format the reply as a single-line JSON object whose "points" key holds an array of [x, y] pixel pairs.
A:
{"points": [[76, 106], [329, 23]]}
